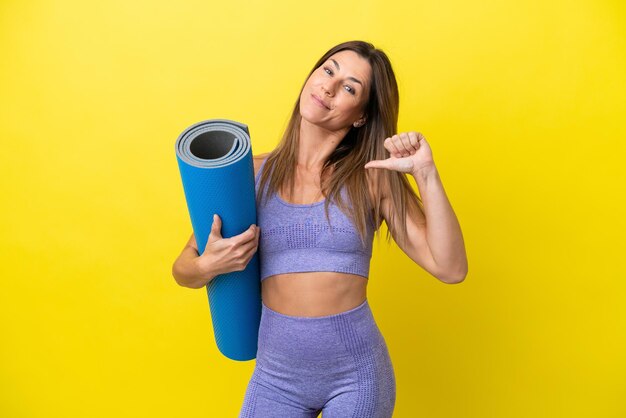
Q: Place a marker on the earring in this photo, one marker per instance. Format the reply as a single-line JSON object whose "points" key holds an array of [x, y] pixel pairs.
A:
{"points": [[358, 124]]}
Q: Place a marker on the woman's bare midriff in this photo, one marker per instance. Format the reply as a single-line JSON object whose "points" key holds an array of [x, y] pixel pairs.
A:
{"points": [[313, 293]]}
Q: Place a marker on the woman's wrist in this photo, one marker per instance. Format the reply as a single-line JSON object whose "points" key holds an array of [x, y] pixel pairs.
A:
{"points": [[205, 270], [424, 171]]}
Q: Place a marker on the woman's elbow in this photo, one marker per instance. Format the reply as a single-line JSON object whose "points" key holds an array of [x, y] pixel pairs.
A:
{"points": [[181, 279], [455, 276]]}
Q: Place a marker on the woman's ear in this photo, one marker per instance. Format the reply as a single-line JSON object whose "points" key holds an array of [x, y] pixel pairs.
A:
{"points": [[360, 122]]}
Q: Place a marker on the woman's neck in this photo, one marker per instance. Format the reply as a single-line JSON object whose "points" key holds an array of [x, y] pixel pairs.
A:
{"points": [[315, 145]]}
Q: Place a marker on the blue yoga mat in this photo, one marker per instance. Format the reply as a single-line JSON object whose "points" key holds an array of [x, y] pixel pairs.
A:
{"points": [[217, 172]]}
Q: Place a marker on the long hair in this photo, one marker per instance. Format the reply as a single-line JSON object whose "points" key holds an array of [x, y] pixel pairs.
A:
{"points": [[359, 146]]}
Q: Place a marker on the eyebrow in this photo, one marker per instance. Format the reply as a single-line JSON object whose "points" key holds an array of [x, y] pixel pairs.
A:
{"points": [[350, 78]]}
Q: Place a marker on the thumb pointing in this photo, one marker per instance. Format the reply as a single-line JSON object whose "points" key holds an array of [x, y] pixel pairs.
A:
{"points": [[375, 164]]}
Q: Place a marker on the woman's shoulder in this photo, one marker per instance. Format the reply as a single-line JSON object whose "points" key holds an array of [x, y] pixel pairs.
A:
{"points": [[258, 160]]}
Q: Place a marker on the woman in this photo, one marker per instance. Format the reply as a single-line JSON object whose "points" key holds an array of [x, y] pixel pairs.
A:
{"points": [[319, 348]]}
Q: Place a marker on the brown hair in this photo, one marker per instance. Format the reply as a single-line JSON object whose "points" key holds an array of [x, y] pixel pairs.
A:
{"points": [[359, 146]]}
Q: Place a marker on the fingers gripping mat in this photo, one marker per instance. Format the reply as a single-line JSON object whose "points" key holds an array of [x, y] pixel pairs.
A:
{"points": [[217, 172]]}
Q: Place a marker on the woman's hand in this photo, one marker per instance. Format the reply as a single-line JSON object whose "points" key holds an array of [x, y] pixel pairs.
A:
{"points": [[225, 255], [409, 153]]}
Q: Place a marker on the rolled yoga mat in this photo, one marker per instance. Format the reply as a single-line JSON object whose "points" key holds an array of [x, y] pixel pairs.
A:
{"points": [[217, 172]]}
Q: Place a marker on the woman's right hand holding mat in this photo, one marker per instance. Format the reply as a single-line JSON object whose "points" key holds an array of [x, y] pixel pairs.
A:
{"points": [[220, 256]]}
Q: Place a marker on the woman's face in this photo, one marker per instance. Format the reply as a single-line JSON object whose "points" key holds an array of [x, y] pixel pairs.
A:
{"points": [[342, 86]]}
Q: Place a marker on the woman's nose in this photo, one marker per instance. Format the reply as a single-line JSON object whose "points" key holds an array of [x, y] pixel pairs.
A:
{"points": [[328, 87]]}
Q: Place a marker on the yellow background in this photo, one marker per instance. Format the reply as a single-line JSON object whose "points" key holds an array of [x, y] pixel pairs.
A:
{"points": [[521, 102]]}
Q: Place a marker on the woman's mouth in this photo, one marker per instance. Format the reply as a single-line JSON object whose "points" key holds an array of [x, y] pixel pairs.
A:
{"points": [[319, 102]]}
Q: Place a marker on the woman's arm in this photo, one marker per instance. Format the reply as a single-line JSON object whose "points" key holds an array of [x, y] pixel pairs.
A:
{"points": [[434, 239], [428, 243], [442, 231], [186, 270]]}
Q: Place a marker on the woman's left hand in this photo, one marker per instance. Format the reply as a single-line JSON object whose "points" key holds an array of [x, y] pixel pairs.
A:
{"points": [[409, 153]]}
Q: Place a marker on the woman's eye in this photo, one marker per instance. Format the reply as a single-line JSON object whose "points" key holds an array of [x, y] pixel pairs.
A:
{"points": [[330, 72]]}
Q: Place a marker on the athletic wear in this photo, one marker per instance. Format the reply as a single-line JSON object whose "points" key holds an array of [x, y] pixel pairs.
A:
{"points": [[298, 238], [337, 364]]}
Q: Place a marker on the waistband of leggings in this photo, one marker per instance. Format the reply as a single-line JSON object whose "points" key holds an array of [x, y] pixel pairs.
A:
{"points": [[317, 338]]}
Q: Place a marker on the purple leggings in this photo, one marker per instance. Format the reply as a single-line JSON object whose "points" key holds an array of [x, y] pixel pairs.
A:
{"points": [[337, 364]]}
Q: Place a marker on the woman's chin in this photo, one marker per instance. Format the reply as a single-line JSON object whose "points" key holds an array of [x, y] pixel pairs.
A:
{"points": [[311, 117]]}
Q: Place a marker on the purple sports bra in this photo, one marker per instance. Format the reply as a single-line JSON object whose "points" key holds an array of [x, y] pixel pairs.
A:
{"points": [[298, 238]]}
